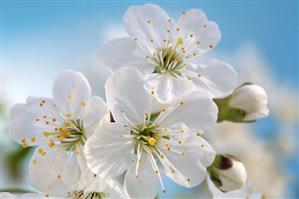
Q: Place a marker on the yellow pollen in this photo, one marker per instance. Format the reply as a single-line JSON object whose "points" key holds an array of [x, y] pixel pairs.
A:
{"points": [[51, 143], [152, 141], [82, 104], [33, 139]]}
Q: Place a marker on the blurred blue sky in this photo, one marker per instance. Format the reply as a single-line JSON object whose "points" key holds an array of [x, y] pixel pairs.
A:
{"points": [[40, 38]]}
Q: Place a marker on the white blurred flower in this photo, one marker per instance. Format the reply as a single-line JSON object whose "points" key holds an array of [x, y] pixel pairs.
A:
{"points": [[143, 138], [59, 128], [227, 173], [252, 99], [246, 192], [170, 53]]}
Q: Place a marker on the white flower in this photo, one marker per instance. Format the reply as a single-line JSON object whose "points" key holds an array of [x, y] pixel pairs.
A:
{"points": [[58, 126], [252, 99], [170, 53], [227, 173], [57, 174], [143, 138]]}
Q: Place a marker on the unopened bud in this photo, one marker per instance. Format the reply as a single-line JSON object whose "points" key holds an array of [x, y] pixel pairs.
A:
{"points": [[247, 103], [227, 173]]}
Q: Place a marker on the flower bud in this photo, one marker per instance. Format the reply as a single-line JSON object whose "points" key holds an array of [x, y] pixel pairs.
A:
{"points": [[246, 104], [227, 173], [252, 99]]}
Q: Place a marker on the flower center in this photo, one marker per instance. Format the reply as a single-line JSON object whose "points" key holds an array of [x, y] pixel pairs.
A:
{"points": [[146, 137], [70, 134], [167, 60]]}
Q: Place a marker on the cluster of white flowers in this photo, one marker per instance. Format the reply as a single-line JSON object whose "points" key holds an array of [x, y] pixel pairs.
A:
{"points": [[161, 97]]}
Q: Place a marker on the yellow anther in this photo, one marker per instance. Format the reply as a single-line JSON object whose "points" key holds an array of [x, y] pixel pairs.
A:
{"points": [[68, 115], [51, 143], [63, 129], [23, 140], [179, 42], [61, 138], [58, 177], [152, 141], [24, 145], [69, 95], [179, 142], [202, 145], [82, 104], [34, 161], [189, 78], [33, 139], [54, 119], [181, 103]]}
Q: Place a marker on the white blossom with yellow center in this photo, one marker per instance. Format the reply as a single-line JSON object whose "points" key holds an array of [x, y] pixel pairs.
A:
{"points": [[146, 141], [170, 53], [58, 126]]}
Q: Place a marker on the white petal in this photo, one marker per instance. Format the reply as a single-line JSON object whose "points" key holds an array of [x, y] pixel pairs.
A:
{"points": [[216, 77], [168, 88], [193, 143], [107, 152], [181, 165], [110, 187], [197, 111], [198, 33], [148, 24], [70, 90], [7, 195], [126, 96], [54, 171], [146, 184], [39, 196], [96, 109], [128, 54], [29, 121]]}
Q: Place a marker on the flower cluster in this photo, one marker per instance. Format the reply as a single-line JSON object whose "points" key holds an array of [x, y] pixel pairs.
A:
{"points": [[163, 94]]}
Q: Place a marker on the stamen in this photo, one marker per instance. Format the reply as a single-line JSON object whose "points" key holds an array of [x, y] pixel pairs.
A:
{"points": [[156, 168]]}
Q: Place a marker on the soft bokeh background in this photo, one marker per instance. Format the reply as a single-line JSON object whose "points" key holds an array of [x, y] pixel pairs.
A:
{"points": [[260, 40]]}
